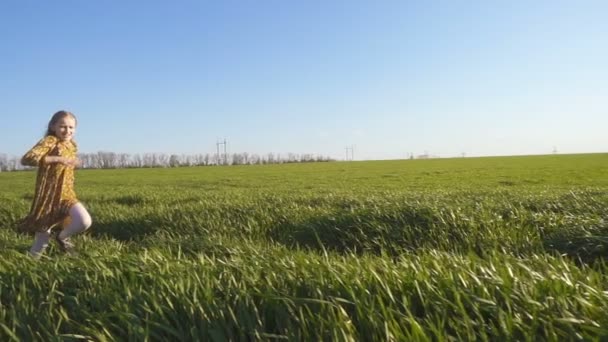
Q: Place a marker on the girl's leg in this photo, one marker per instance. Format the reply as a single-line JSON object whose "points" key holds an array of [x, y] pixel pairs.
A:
{"points": [[80, 221], [41, 242]]}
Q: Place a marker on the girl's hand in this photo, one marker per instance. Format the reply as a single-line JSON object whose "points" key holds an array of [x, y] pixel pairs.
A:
{"points": [[74, 162]]}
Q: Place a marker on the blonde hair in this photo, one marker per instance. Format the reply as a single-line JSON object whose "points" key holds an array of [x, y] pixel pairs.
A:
{"points": [[56, 117]]}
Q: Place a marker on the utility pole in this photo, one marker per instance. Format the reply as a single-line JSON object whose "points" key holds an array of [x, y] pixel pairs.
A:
{"points": [[218, 151], [352, 152]]}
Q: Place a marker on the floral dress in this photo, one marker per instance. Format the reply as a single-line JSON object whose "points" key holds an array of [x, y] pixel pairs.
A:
{"points": [[54, 194]]}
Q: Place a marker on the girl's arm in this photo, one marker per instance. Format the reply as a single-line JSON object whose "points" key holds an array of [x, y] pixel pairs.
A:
{"points": [[61, 160], [38, 154], [74, 162]]}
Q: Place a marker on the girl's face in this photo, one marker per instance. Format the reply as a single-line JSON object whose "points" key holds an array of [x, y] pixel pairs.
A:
{"points": [[65, 128]]}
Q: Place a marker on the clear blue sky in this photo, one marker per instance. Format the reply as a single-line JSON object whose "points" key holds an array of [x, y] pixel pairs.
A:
{"points": [[389, 77]]}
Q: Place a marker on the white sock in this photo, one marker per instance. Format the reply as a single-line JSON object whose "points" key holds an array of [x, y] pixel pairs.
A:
{"points": [[41, 242]]}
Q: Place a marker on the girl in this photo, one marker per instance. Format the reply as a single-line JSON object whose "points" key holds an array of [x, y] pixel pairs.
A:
{"points": [[55, 202]]}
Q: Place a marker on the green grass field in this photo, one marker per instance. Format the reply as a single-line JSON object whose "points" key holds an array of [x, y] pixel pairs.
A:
{"points": [[505, 248]]}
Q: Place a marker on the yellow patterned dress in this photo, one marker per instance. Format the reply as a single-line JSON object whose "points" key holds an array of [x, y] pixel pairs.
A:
{"points": [[54, 194]]}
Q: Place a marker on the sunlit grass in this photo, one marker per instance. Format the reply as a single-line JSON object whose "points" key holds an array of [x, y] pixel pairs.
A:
{"points": [[462, 249]]}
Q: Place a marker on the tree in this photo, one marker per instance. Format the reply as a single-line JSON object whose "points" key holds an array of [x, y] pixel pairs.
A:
{"points": [[174, 160], [3, 162]]}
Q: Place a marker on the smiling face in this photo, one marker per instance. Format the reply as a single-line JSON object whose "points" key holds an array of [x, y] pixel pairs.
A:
{"points": [[65, 128]]}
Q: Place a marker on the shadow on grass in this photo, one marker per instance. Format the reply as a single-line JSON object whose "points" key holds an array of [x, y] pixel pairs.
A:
{"points": [[392, 233], [129, 200], [174, 233], [131, 229], [584, 248]]}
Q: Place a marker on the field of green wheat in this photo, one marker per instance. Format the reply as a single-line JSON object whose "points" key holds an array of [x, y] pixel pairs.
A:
{"points": [[504, 248]]}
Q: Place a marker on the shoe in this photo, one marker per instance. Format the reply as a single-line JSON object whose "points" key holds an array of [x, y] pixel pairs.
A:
{"points": [[65, 245]]}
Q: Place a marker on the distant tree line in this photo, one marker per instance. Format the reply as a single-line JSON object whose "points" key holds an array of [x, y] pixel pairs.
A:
{"points": [[112, 160]]}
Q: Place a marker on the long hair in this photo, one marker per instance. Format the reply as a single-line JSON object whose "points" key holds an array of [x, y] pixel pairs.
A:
{"points": [[56, 117]]}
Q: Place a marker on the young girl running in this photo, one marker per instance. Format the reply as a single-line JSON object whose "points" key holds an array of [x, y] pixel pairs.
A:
{"points": [[55, 203]]}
